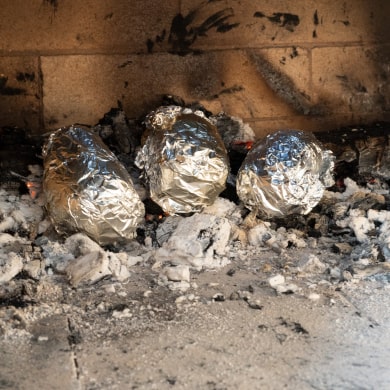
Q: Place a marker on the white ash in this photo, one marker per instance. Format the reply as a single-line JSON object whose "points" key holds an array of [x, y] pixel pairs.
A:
{"points": [[351, 188], [88, 268], [276, 280], [359, 223], [312, 264], [373, 240], [200, 241], [314, 297], [208, 240], [177, 273], [165, 229], [382, 217], [91, 263], [261, 234], [19, 212], [10, 265], [224, 208], [34, 269], [281, 285], [180, 285], [287, 288]]}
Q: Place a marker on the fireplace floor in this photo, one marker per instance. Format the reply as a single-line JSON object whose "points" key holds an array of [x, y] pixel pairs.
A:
{"points": [[131, 338], [304, 316]]}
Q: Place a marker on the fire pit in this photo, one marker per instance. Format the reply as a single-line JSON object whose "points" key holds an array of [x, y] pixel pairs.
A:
{"points": [[350, 221], [239, 256], [177, 263]]}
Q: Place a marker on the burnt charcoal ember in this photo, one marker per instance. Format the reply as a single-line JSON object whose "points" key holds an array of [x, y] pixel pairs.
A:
{"points": [[118, 132], [234, 131], [18, 150], [174, 100], [374, 157], [368, 201], [361, 152]]}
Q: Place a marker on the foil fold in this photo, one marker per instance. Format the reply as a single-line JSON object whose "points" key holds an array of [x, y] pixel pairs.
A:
{"points": [[285, 173], [87, 189], [184, 160]]}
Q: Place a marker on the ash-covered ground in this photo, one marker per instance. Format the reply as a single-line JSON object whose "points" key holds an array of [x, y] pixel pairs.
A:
{"points": [[249, 303], [346, 238]]}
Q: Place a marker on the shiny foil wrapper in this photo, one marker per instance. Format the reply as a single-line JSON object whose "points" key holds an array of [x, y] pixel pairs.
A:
{"points": [[184, 160], [87, 189], [285, 173]]}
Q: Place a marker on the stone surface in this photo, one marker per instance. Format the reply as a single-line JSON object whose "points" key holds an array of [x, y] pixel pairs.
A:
{"points": [[291, 342], [46, 351]]}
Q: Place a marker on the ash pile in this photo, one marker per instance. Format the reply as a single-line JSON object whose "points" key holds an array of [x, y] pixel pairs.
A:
{"points": [[333, 234]]}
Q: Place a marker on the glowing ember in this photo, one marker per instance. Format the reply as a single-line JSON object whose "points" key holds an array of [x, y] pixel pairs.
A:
{"points": [[34, 188]]}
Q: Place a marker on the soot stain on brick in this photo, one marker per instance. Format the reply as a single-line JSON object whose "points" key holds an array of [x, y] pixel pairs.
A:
{"points": [[184, 29], [316, 22], [284, 87], [9, 91], [25, 76], [53, 4], [281, 19], [294, 52], [149, 45], [315, 18], [229, 91], [158, 39], [352, 85], [124, 64], [183, 33]]}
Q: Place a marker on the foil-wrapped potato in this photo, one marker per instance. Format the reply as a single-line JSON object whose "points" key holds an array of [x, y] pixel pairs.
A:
{"points": [[285, 173], [183, 159], [87, 189]]}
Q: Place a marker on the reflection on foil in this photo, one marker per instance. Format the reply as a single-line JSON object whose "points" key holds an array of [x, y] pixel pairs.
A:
{"points": [[184, 160], [285, 173], [87, 189]]}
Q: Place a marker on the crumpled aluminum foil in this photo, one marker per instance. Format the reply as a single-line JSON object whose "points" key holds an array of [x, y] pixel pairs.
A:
{"points": [[184, 160], [285, 173], [87, 189]]}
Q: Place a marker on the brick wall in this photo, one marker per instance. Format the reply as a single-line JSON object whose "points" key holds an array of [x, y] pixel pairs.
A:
{"points": [[275, 63]]}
